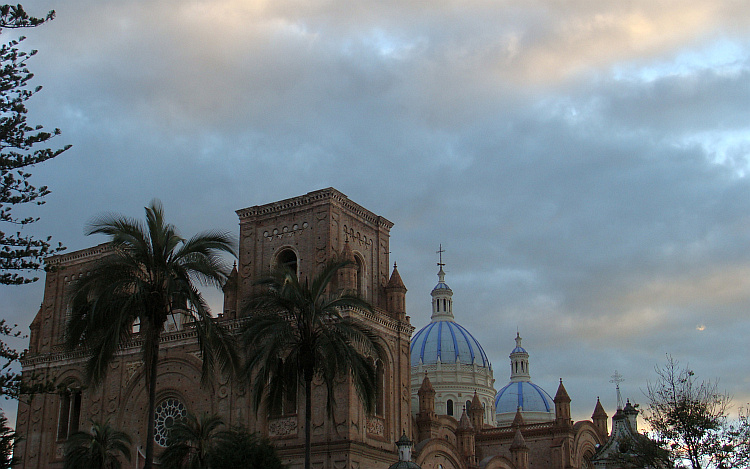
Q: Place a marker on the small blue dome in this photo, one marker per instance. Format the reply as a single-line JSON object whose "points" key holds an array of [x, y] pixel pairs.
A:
{"points": [[442, 286], [447, 341], [524, 394], [519, 350]]}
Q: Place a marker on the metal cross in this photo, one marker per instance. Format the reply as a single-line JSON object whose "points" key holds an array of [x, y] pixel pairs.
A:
{"points": [[440, 253], [617, 379]]}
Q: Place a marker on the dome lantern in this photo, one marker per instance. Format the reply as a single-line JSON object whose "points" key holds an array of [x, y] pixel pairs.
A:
{"points": [[521, 395]]}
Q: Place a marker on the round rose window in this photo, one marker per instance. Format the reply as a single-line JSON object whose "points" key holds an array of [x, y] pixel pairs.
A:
{"points": [[165, 415]]}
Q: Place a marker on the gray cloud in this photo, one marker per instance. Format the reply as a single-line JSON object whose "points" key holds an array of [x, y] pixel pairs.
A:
{"points": [[588, 186]]}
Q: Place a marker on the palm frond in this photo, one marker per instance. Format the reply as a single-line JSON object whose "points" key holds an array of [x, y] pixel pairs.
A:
{"points": [[217, 345], [99, 448], [299, 325], [149, 274]]}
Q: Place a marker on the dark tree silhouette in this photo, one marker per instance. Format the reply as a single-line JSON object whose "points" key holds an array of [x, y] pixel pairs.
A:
{"points": [[20, 253], [149, 277], [296, 331]]}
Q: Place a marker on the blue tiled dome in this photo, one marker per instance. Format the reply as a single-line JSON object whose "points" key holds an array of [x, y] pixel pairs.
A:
{"points": [[447, 341], [442, 286], [524, 394]]}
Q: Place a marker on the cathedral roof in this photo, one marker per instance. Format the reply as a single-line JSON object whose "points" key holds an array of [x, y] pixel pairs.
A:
{"points": [[446, 342], [524, 394], [443, 339], [521, 395]]}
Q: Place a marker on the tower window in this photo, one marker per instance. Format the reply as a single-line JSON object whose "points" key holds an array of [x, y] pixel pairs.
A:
{"points": [[70, 413], [360, 275], [287, 259], [449, 407], [380, 389], [287, 405]]}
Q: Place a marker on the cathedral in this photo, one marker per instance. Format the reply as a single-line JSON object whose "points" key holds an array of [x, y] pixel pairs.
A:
{"points": [[435, 387]]}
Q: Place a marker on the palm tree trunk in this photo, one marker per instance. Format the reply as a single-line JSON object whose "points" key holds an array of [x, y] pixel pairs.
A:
{"points": [[151, 403], [308, 420]]}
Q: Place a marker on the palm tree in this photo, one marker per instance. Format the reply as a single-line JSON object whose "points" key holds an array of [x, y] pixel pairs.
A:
{"points": [[191, 442], [149, 277], [237, 448], [98, 449], [297, 331], [201, 444]]}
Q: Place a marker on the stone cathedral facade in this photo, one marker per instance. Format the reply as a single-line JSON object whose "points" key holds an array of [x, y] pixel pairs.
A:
{"points": [[302, 233], [437, 389]]}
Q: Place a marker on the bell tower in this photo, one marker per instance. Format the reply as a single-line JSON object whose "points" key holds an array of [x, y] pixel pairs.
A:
{"points": [[304, 233]]}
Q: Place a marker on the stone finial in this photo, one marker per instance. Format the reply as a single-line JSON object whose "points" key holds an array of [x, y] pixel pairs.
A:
{"points": [[562, 394], [518, 419], [395, 282], [599, 417], [426, 384], [518, 441], [465, 423], [475, 404], [599, 411], [347, 255]]}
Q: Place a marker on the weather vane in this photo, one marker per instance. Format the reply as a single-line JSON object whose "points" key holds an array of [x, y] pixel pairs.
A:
{"points": [[440, 253], [617, 379]]}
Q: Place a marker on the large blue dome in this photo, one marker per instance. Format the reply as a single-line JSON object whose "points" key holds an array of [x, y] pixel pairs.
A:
{"points": [[448, 342], [524, 394]]}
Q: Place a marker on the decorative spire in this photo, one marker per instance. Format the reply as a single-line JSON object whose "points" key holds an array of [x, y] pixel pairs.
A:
{"points": [[518, 441], [562, 394], [395, 282], [442, 295], [617, 379], [518, 419], [519, 362], [464, 423], [475, 403], [404, 448], [562, 407], [599, 411], [426, 384], [347, 255], [599, 417]]}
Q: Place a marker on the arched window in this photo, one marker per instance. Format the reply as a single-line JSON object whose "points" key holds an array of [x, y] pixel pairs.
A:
{"points": [[70, 411], [468, 406], [380, 389], [360, 275], [288, 403], [449, 407], [287, 259]]}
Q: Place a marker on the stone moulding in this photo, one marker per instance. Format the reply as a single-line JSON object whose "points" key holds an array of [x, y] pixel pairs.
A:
{"points": [[283, 427], [375, 426], [307, 199]]}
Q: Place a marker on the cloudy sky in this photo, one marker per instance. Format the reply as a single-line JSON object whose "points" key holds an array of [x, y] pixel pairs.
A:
{"points": [[583, 163]]}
